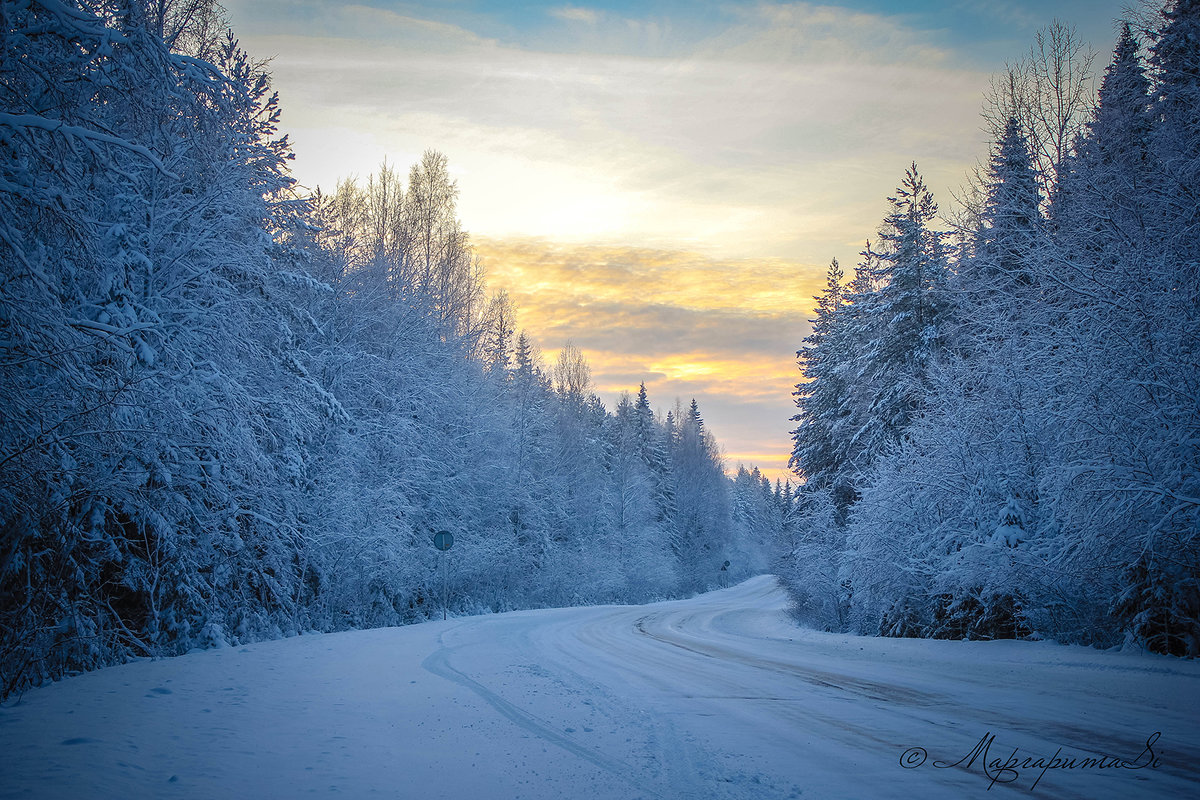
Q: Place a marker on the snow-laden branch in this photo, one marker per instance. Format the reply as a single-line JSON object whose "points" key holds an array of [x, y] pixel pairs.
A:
{"points": [[90, 137]]}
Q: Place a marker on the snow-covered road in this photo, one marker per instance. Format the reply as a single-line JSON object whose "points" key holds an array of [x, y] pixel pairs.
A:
{"points": [[718, 696]]}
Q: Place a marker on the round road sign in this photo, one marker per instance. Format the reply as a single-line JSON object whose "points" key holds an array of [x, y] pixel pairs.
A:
{"points": [[443, 540]]}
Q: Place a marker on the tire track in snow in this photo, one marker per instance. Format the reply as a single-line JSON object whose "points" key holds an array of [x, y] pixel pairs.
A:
{"points": [[868, 689], [577, 649], [438, 663]]}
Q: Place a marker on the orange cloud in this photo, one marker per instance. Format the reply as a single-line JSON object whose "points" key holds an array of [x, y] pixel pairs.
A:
{"points": [[724, 331], [594, 274]]}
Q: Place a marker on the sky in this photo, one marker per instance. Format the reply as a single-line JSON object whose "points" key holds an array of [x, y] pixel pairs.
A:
{"points": [[662, 182]]}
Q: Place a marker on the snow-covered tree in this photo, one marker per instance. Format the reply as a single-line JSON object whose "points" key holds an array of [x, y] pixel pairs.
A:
{"points": [[819, 397], [1045, 485]]}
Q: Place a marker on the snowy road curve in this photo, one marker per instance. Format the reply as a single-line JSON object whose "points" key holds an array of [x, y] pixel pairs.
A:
{"points": [[718, 696]]}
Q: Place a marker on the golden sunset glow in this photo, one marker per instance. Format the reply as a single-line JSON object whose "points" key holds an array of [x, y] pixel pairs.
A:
{"points": [[722, 331]]}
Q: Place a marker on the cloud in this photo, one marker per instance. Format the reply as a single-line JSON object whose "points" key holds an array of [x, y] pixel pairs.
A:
{"points": [[808, 33], [1000, 11], [587, 16], [775, 133]]}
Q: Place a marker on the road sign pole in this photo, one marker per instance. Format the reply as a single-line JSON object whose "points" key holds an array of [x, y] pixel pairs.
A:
{"points": [[443, 541]]}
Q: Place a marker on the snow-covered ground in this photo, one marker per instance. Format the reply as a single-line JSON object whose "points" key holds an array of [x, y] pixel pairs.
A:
{"points": [[719, 696]]}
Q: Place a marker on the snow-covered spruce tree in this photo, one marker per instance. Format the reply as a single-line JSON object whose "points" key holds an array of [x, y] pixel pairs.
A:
{"points": [[911, 308], [700, 490], [653, 438], [498, 327], [1102, 191], [1009, 224], [892, 327], [1118, 136], [1094, 286], [858, 325], [819, 397], [531, 477], [1175, 67]]}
